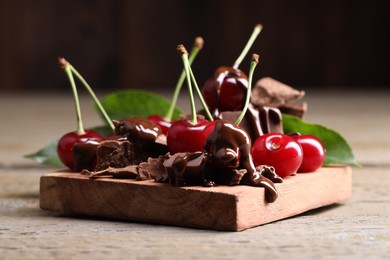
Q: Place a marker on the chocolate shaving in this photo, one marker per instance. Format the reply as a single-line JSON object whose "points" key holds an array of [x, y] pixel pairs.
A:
{"points": [[128, 172], [153, 169]]}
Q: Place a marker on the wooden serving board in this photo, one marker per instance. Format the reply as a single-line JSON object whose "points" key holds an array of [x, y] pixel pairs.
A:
{"points": [[233, 208]]}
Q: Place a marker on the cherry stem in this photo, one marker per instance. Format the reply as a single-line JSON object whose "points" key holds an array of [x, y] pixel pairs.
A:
{"points": [[255, 33], [89, 89], [206, 108], [184, 56], [66, 67], [198, 45], [254, 61]]}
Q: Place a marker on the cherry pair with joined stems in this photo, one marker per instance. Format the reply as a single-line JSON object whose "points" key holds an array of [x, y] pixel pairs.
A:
{"points": [[289, 154], [165, 121], [189, 135], [67, 141], [184, 134]]}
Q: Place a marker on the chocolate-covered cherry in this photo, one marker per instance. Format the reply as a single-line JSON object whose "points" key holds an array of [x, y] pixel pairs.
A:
{"points": [[166, 121], [210, 128], [278, 150], [226, 90], [138, 130], [161, 122], [313, 152], [67, 142]]}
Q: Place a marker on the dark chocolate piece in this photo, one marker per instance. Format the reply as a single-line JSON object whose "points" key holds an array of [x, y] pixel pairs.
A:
{"points": [[185, 169], [272, 93], [157, 148], [257, 122], [116, 154], [153, 168], [224, 175], [270, 120]]}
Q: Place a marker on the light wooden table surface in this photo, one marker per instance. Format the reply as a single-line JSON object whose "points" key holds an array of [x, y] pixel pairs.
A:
{"points": [[357, 228]]}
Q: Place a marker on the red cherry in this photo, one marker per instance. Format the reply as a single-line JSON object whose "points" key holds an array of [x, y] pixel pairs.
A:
{"points": [[226, 91], [313, 152], [67, 141], [160, 121], [278, 150], [186, 137]]}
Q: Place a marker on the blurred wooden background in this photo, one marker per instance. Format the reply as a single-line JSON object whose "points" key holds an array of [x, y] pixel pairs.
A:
{"points": [[131, 44]]}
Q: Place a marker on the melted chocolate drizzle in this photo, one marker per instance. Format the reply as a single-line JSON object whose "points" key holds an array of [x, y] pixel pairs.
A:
{"points": [[229, 145], [257, 122], [227, 160], [187, 169], [140, 131], [84, 155]]}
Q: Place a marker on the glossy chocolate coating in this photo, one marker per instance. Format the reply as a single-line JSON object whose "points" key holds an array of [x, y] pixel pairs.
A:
{"points": [[140, 131], [84, 155], [229, 145], [257, 122], [227, 160], [187, 169], [133, 142], [213, 89]]}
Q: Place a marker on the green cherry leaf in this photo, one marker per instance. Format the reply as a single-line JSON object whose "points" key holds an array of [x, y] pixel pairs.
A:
{"points": [[47, 155], [136, 103], [337, 149]]}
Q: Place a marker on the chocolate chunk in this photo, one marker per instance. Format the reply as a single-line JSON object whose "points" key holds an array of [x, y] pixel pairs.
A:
{"points": [[224, 175], [156, 148], [270, 120], [153, 168], [257, 122], [272, 93], [185, 168], [116, 154]]}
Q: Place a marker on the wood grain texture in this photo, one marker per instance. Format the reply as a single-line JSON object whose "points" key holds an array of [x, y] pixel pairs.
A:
{"points": [[222, 208]]}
